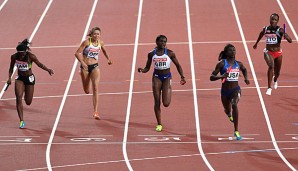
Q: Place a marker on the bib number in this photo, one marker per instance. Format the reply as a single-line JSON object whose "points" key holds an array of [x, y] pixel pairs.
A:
{"points": [[31, 78]]}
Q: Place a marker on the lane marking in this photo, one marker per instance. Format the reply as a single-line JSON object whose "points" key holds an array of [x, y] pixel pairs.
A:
{"points": [[287, 18], [218, 135], [258, 89], [194, 87], [160, 157], [133, 67], [162, 135], [30, 39], [48, 150], [142, 44], [139, 92], [233, 138], [2, 5]]}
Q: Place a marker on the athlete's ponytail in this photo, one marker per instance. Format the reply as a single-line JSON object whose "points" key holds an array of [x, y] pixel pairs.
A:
{"points": [[222, 54], [23, 46]]}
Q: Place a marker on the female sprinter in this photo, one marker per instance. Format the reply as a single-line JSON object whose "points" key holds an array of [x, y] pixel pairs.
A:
{"points": [[161, 79], [87, 54], [229, 70], [273, 51], [25, 80]]}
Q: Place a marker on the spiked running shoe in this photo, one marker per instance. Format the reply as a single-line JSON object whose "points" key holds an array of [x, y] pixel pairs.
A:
{"points": [[22, 124], [275, 85], [231, 118], [268, 92], [237, 135], [158, 128], [96, 115]]}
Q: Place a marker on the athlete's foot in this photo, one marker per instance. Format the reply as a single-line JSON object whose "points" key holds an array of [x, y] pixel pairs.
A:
{"points": [[158, 128], [96, 115], [22, 124], [237, 135], [268, 92], [275, 85], [231, 118]]}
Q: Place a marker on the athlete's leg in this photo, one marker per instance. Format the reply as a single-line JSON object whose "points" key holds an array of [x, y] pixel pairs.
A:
{"points": [[277, 67], [270, 63], [19, 92], [29, 90], [166, 92], [85, 80], [156, 87], [234, 102], [226, 104], [95, 77]]}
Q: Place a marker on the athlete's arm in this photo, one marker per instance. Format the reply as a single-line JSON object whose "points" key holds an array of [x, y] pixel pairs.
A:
{"points": [[244, 72], [39, 64], [79, 52], [148, 64], [105, 52], [173, 57], [213, 76], [262, 33]]}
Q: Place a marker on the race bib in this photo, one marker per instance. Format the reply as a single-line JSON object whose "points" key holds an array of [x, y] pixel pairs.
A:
{"points": [[22, 66], [93, 53], [160, 63], [31, 78], [271, 39], [233, 75]]}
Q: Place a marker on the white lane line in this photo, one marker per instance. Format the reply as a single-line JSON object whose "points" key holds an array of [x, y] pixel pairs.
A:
{"points": [[159, 157], [258, 89], [141, 92], [48, 158], [2, 5], [135, 52], [30, 39], [193, 76], [143, 44], [287, 18]]}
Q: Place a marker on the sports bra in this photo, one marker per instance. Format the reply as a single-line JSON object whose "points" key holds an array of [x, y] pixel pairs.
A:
{"points": [[92, 51], [161, 62]]}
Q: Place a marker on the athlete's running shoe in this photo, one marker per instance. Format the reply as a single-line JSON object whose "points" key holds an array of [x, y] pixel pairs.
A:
{"points": [[22, 124], [96, 115], [268, 92], [231, 118], [237, 135], [158, 128], [275, 85]]}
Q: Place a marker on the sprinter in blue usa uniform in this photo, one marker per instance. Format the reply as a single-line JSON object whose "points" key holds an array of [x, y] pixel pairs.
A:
{"points": [[161, 78], [229, 70]]}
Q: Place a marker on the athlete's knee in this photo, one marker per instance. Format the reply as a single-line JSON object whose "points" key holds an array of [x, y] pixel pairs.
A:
{"points": [[86, 90], [28, 102], [166, 104]]}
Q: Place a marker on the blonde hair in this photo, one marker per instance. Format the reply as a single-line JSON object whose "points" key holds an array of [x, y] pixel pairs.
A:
{"points": [[93, 30]]}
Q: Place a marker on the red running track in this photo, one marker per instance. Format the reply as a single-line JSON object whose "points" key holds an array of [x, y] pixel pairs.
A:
{"points": [[82, 143]]}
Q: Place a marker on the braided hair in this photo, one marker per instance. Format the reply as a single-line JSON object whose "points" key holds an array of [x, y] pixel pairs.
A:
{"points": [[222, 54]]}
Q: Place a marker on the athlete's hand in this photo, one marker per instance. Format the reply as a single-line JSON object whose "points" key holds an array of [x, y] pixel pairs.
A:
{"points": [[247, 82], [51, 72], [140, 69], [8, 81], [84, 65], [225, 75], [255, 46], [110, 62]]}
